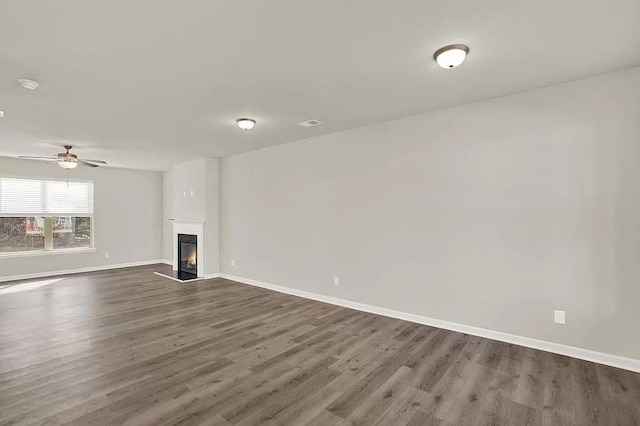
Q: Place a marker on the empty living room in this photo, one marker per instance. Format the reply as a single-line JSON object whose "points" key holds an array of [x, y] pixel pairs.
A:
{"points": [[287, 212]]}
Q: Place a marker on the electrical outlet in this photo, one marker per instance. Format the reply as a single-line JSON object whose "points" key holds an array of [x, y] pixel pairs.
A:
{"points": [[106, 255], [559, 317], [233, 262], [336, 281]]}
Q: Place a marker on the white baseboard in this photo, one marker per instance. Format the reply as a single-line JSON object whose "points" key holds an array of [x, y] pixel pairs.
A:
{"points": [[77, 271], [167, 262], [584, 354]]}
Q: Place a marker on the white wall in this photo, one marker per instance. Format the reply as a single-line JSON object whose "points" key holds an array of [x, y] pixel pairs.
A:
{"points": [[491, 214], [202, 177], [189, 191], [167, 213], [127, 218], [212, 224]]}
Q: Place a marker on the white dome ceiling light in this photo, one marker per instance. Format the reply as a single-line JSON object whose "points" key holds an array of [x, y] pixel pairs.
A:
{"points": [[246, 123], [68, 163], [451, 56], [28, 84]]}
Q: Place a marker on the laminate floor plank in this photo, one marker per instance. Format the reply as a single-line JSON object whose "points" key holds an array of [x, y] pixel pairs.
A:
{"points": [[403, 407], [374, 406], [130, 347]]}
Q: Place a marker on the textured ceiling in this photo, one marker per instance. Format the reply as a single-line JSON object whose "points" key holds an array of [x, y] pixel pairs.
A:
{"points": [[148, 83]]}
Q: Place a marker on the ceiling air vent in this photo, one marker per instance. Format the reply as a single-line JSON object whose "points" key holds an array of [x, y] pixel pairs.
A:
{"points": [[310, 123]]}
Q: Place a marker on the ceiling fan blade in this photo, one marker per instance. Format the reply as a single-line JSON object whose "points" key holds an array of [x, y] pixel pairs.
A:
{"points": [[94, 161], [30, 157], [86, 163]]}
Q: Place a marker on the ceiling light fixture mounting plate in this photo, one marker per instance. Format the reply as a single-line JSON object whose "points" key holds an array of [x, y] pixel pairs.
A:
{"points": [[28, 84], [451, 56]]}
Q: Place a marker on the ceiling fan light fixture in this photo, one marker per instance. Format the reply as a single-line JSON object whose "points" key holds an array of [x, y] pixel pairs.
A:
{"points": [[66, 160], [245, 123], [68, 163], [451, 56]]}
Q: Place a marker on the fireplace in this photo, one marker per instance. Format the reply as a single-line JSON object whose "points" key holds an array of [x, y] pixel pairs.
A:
{"points": [[187, 256]]}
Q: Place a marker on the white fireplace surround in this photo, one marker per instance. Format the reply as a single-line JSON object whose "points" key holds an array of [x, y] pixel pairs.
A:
{"points": [[190, 228]]}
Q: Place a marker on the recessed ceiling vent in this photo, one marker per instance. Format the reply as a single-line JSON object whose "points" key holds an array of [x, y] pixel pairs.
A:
{"points": [[310, 123]]}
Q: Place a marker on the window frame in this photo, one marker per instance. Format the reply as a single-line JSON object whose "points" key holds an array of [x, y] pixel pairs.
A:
{"points": [[52, 251]]}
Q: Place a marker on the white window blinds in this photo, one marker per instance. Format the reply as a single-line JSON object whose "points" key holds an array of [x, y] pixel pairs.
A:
{"points": [[28, 197]]}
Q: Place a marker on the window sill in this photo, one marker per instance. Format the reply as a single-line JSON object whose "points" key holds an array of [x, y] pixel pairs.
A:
{"points": [[47, 253]]}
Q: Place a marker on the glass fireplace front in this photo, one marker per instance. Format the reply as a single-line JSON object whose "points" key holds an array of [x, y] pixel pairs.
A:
{"points": [[188, 256]]}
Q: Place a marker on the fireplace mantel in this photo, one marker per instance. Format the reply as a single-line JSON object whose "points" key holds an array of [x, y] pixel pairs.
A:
{"points": [[187, 222]]}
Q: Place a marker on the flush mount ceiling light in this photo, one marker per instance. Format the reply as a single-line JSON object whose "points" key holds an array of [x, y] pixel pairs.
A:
{"points": [[246, 123], [1, 114], [28, 84], [451, 56]]}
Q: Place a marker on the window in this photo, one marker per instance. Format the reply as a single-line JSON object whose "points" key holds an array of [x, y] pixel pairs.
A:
{"points": [[21, 234], [44, 215], [71, 232]]}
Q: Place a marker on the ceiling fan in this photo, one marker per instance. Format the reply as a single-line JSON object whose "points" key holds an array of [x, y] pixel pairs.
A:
{"points": [[66, 160]]}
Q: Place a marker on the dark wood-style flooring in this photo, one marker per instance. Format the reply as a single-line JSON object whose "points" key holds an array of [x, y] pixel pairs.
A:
{"points": [[129, 347]]}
